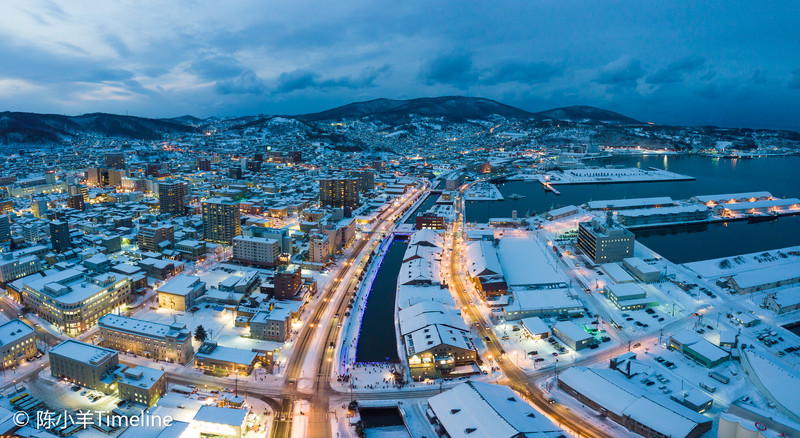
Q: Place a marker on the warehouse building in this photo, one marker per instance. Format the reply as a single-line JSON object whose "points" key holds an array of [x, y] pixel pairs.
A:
{"points": [[767, 278], [629, 296], [665, 215], [477, 409], [575, 337], [642, 270], [697, 349], [647, 414]]}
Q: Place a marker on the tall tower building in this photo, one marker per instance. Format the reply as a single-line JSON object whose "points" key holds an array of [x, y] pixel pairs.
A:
{"points": [[59, 236], [115, 160], [221, 220], [338, 192], [39, 207], [171, 197]]}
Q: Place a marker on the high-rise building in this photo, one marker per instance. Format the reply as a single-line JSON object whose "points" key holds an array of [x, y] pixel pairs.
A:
{"points": [[258, 251], [59, 236], [97, 176], [5, 228], [605, 242], [79, 190], [319, 248], [76, 202], [39, 207], [115, 160], [115, 177], [287, 283], [203, 164], [366, 179], [221, 220], [235, 172], [172, 197], [338, 192], [156, 237]]}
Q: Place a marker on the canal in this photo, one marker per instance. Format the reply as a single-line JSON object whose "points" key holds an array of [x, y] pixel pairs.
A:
{"points": [[429, 202], [377, 341]]}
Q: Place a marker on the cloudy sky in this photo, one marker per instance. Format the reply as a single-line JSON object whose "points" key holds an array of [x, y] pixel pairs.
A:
{"points": [[729, 63]]}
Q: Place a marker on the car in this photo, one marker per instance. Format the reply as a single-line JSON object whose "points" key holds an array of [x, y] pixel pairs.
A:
{"points": [[555, 353], [533, 353], [660, 319], [650, 383], [539, 359], [637, 345], [330, 345], [629, 319], [486, 338], [709, 327], [645, 325], [291, 382]]}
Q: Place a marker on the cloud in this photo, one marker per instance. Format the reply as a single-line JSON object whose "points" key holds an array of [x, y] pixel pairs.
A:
{"points": [[451, 69], [794, 79], [303, 79], [458, 69], [215, 66], [522, 72], [675, 71], [621, 74], [247, 82]]}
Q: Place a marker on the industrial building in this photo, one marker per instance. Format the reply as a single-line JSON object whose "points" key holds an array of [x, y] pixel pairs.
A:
{"points": [[697, 349], [642, 270], [631, 204], [767, 278]]}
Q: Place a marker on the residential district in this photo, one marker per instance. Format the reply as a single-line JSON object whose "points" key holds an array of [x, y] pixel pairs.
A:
{"points": [[266, 282]]}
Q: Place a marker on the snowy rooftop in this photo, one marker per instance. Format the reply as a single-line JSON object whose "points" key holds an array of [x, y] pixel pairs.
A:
{"points": [[180, 285], [525, 262], [571, 330], [82, 352], [739, 206], [217, 415], [535, 325], [618, 395], [732, 196], [477, 409], [14, 330], [768, 275], [525, 299], [408, 295], [482, 259], [663, 210], [227, 354], [629, 203], [138, 326]]}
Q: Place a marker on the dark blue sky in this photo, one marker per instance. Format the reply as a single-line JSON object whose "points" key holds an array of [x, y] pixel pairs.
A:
{"points": [[729, 63]]}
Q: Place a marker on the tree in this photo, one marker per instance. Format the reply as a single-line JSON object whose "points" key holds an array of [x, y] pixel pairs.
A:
{"points": [[200, 334]]}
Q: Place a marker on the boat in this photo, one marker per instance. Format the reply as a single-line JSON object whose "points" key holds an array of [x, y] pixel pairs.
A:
{"points": [[515, 196]]}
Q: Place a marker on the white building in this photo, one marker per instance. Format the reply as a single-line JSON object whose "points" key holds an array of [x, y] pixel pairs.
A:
{"points": [[258, 251], [485, 410]]}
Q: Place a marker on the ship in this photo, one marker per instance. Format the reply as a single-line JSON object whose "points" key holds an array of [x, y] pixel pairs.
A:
{"points": [[515, 196]]}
